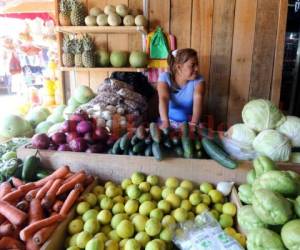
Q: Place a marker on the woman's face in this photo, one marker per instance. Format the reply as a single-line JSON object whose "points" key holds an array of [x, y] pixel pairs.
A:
{"points": [[189, 69]]}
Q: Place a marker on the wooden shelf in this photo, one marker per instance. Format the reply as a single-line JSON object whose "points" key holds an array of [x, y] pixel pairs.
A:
{"points": [[127, 69], [101, 29]]}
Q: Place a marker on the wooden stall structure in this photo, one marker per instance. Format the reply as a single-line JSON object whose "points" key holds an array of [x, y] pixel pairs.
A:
{"points": [[240, 45]]}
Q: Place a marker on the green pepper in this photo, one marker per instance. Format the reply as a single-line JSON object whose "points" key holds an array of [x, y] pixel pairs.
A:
{"points": [[263, 164]]}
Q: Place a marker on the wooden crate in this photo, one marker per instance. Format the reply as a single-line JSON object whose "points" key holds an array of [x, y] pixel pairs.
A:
{"points": [[115, 167]]}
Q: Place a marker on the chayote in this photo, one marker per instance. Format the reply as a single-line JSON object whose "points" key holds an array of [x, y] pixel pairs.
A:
{"points": [[264, 239], [290, 234], [271, 207], [251, 176], [263, 164], [277, 181], [248, 220], [245, 193]]}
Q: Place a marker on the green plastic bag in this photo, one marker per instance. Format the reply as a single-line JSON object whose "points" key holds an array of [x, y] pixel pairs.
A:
{"points": [[159, 48]]}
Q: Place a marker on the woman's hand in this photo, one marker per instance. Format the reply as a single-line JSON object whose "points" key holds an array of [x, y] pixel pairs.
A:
{"points": [[165, 124]]}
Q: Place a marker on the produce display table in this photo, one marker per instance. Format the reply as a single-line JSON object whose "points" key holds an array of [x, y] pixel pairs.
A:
{"points": [[115, 167]]}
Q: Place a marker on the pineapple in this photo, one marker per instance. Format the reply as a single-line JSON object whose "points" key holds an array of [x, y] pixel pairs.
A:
{"points": [[78, 13], [64, 14], [67, 55], [88, 55], [78, 52]]}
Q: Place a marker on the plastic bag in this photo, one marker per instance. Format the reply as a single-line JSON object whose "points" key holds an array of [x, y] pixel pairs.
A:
{"points": [[14, 65], [205, 233], [159, 48], [238, 150]]}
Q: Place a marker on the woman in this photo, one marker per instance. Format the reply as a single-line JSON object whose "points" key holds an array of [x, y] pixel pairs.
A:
{"points": [[181, 90]]}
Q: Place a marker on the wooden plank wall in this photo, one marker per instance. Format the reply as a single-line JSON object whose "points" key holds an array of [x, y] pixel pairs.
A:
{"points": [[239, 44]]}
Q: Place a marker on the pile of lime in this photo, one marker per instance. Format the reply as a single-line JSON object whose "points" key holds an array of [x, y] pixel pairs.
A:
{"points": [[141, 214]]}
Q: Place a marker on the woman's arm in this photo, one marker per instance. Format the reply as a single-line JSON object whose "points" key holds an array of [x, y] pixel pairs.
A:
{"points": [[198, 102], [164, 97]]}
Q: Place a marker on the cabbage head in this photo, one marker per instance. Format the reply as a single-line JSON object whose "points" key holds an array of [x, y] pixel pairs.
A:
{"points": [[277, 181], [291, 129], [262, 114], [263, 164], [251, 176], [273, 144], [264, 239], [271, 207], [248, 220], [241, 133], [290, 235]]}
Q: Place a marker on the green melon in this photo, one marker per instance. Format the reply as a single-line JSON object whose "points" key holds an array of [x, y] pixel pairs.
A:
{"points": [[119, 59], [83, 94], [138, 59]]}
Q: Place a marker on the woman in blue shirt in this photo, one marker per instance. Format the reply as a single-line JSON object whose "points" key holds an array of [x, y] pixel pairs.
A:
{"points": [[181, 90]]}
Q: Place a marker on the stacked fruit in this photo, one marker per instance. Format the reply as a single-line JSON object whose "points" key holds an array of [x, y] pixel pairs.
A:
{"points": [[157, 142], [141, 214]]}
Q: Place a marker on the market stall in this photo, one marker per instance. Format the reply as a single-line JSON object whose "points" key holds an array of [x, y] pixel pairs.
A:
{"points": [[99, 172]]}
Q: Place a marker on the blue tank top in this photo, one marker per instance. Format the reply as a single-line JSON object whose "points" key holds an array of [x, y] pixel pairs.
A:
{"points": [[181, 99]]}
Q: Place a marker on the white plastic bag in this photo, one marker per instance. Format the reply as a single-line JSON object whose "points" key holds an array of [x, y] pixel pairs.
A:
{"points": [[205, 233]]}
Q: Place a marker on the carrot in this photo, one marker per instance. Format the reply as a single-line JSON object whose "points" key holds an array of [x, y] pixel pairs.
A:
{"points": [[11, 243], [42, 192], [71, 199], [59, 173], [68, 185], [43, 234], [30, 245], [14, 215], [31, 194], [36, 212], [69, 175], [23, 206], [5, 188], [49, 198], [17, 182], [27, 187], [57, 206], [13, 196], [89, 179], [28, 231], [6, 228]]}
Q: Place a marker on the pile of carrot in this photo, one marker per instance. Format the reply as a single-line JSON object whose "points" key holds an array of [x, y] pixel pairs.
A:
{"points": [[30, 212]]}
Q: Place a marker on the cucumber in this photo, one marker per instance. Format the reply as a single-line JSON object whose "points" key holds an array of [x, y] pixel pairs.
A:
{"points": [[188, 147], [175, 140], [148, 150], [179, 151], [197, 144], [139, 147], [218, 154], [141, 132], [125, 142], [155, 132], [42, 173], [116, 148], [157, 151], [30, 166], [134, 140], [185, 130]]}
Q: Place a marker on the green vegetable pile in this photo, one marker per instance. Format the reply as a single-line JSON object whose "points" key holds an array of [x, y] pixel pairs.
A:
{"points": [[271, 216]]}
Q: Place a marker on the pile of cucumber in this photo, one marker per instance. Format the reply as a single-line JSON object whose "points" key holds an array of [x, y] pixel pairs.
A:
{"points": [[160, 143]]}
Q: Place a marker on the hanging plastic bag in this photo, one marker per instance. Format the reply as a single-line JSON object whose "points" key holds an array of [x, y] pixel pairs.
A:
{"points": [[14, 65], [159, 48]]}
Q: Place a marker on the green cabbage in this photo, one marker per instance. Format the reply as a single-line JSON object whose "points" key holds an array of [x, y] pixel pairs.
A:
{"points": [[290, 235], [271, 207], [248, 220], [241, 133], [262, 114], [277, 181], [264, 239], [273, 144], [291, 129], [251, 175]]}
